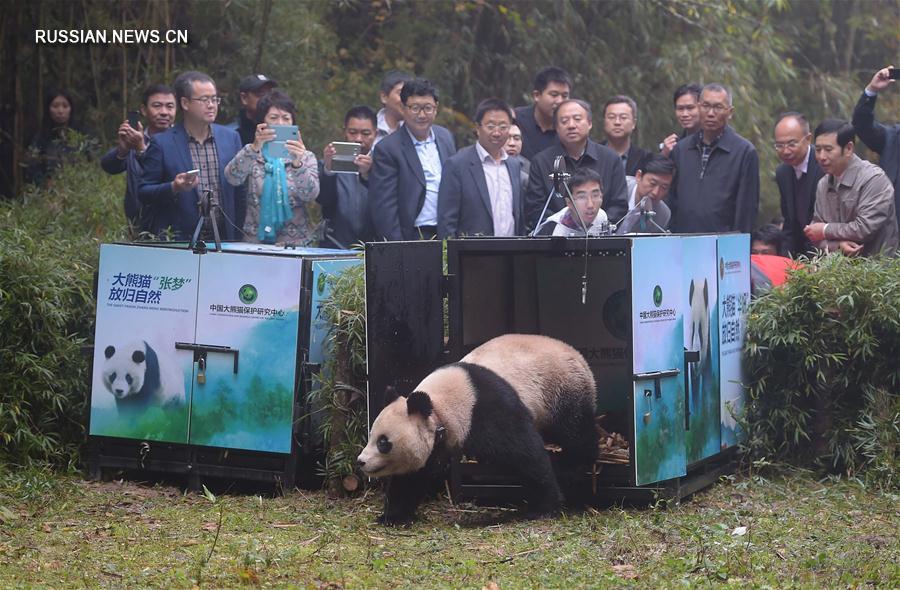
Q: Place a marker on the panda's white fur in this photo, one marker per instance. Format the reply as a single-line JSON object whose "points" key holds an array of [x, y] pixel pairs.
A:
{"points": [[498, 401], [539, 368], [136, 372], [699, 300]]}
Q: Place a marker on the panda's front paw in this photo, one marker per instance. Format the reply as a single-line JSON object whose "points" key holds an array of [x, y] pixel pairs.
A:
{"points": [[400, 520]]}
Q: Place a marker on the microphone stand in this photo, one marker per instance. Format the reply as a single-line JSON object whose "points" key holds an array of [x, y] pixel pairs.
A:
{"points": [[559, 176], [646, 216]]}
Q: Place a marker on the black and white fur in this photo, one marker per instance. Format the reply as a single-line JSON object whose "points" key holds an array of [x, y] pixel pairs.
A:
{"points": [[138, 376], [500, 404], [699, 333]]}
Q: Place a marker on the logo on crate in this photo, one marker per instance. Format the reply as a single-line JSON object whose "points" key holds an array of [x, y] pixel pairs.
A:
{"points": [[248, 294], [615, 314], [730, 267], [657, 296]]}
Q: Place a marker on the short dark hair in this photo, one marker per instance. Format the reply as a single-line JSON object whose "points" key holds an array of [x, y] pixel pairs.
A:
{"points": [[277, 99], [418, 87], [47, 124], [361, 112], [155, 89], [844, 130], [583, 176], [656, 164], [393, 78], [691, 88], [769, 234], [622, 99], [184, 84], [800, 118], [552, 74], [716, 87], [492, 104], [582, 103]]}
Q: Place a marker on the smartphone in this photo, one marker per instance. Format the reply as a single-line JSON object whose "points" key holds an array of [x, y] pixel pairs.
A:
{"points": [[193, 173], [277, 148], [134, 118], [344, 154], [894, 73]]}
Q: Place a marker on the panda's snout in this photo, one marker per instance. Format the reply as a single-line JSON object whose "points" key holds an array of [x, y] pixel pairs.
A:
{"points": [[119, 392], [360, 463]]}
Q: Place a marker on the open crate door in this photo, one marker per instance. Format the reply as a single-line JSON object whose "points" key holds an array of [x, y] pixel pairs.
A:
{"points": [[404, 316], [658, 360]]}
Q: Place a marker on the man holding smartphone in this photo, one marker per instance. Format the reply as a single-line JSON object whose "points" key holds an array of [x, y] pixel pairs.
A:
{"points": [[158, 108], [344, 197], [187, 163], [883, 139]]}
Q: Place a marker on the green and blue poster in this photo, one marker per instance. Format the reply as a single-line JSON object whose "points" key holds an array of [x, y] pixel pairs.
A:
{"points": [[146, 302], [734, 300], [701, 330], [657, 325], [249, 306]]}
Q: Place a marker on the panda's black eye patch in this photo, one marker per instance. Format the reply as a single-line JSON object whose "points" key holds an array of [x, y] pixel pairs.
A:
{"points": [[384, 445], [112, 377], [129, 379]]}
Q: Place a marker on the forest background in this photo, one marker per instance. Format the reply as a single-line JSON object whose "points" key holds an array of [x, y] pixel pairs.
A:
{"points": [[775, 55]]}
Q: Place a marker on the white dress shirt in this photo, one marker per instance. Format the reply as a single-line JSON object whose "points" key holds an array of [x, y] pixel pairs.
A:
{"points": [[496, 176]]}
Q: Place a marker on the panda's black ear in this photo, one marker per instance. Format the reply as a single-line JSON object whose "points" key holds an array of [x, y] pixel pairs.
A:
{"points": [[138, 356], [691, 292], [706, 293], [418, 402], [110, 350]]}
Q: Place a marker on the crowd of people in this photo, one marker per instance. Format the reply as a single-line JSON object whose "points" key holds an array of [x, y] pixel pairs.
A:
{"points": [[408, 181]]}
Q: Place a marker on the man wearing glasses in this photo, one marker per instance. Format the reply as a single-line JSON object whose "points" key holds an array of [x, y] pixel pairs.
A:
{"points": [[716, 186], [797, 178], [619, 123], [196, 143], [407, 167], [481, 187]]}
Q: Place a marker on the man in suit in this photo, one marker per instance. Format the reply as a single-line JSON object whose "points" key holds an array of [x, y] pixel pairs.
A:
{"points": [[480, 190], [716, 186], [883, 139], [195, 143], [407, 167], [797, 178], [647, 189], [619, 123], [573, 120]]}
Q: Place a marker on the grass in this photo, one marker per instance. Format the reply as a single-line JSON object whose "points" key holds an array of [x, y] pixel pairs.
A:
{"points": [[63, 532]]}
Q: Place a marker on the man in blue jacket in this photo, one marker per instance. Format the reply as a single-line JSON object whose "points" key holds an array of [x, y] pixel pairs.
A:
{"points": [[884, 139], [716, 186], [407, 167], [194, 144]]}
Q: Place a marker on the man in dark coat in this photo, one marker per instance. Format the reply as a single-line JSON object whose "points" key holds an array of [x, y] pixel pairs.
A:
{"points": [[884, 139], [406, 170], [573, 120], [797, 178], [716, 185]]}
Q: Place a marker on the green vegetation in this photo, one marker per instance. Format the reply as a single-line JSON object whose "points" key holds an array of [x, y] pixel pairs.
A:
{"points": [[785, 532], [48, 253], [823, 353]]}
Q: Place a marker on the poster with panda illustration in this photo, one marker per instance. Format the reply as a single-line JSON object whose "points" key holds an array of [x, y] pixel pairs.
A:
{"points": [[701, 329], [734, 300], [146, 302]]}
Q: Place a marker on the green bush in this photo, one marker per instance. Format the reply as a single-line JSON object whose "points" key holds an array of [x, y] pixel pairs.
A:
{"points": [[824, 361], [48, 255]]}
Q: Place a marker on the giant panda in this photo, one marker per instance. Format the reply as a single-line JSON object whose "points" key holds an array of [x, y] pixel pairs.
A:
{"points": [[499, 404], [699, 334], [138, 376]]}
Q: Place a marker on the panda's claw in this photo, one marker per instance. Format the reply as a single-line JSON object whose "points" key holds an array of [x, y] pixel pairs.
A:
{"points": [[396, 520]]}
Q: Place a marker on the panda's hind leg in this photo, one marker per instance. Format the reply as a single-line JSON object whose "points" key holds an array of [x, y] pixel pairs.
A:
{"points": [[575, 431]]}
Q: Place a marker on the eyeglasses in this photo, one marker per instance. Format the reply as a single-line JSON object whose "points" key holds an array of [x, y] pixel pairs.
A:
{"points": [[428, 109], [208, 100], [584, 196], [717, 108], [624, 117], [792, 144], [491, 127]]}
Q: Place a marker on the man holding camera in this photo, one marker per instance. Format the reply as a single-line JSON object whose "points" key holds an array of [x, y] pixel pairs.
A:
{"points": [[883, 139], [158, 108]]}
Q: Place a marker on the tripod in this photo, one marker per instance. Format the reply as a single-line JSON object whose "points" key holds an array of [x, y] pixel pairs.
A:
{"points": [[208, 208]]}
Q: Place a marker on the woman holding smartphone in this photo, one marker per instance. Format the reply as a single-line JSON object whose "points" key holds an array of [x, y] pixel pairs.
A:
{"points": [[278, 187]]}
